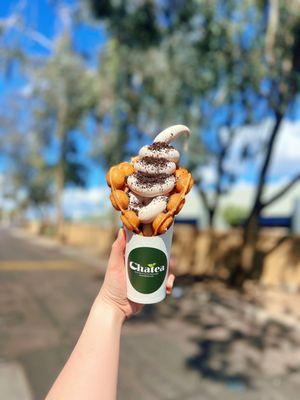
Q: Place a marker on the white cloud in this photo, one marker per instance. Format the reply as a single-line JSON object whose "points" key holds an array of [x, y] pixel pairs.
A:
{"points": [[286, 156], [27, 90], [287, 150], [79, 203], [208, 174], [243, 192]]}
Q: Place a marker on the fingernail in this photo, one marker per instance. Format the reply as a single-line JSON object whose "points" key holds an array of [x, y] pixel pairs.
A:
{"points": [[121, 233]]}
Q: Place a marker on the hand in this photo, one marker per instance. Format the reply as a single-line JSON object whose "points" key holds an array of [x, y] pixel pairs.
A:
{"points": [[113, 290]]}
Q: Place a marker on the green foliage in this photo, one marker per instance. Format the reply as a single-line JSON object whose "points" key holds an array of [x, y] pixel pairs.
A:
{"points": [[65, 89], [125, 20], [234, 216], [27, 172], [65, 93], [208, 64], [198, 65], [74, 170], [118, 107], [34, 176]]}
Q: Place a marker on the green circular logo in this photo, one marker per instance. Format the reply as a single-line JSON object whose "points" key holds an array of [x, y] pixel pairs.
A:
{"points": [[147, 268]]}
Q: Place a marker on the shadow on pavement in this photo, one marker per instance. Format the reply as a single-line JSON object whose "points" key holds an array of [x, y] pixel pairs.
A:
{"points": [[237, 358], [236, 343]]}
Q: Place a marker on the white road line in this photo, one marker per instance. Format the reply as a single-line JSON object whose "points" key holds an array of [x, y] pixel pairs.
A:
{"points": [[13, 382]]}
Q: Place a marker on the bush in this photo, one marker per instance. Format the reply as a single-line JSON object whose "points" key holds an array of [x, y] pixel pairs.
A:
{"points": [[234, 215]]}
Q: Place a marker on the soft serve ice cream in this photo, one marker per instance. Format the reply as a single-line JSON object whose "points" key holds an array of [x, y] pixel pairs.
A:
{"points": [[150, 190]]}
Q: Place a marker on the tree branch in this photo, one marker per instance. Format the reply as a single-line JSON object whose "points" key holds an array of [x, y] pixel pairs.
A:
{"points": [[39, 38], [203, 196], [225, 147], [272, 26], [257, 205], [281, 191]]}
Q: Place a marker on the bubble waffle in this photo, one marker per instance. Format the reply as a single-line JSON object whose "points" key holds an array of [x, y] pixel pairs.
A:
{"points": [[115, 178], [164, 220], [130, 220], [119, 199], [147, 206]]}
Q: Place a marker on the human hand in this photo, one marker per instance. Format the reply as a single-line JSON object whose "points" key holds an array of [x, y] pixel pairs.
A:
{"points": [[113, 290]]}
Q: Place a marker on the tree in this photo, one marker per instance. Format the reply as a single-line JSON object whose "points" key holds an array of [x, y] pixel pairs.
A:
{"points": [[30, 176], [62, 92], [116, 109], [217, 66], [26, 181], [166, 86], [282, 60], [65, 92]]}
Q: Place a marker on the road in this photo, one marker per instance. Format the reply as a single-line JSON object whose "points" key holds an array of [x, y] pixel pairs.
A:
{"points": [[44, 299], [45, 295]]}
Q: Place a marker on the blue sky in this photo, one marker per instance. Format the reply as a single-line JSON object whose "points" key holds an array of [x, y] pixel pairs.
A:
{"points": [[41, 16]]}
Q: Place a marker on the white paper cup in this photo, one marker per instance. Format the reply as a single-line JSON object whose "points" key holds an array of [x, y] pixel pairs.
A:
{"points": [[147, 266]]}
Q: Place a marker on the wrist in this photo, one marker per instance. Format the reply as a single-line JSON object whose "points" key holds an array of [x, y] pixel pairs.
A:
{"points": [[104, 306]]}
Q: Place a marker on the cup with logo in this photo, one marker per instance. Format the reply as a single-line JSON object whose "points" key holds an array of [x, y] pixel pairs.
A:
{"points": [[147, 266]]}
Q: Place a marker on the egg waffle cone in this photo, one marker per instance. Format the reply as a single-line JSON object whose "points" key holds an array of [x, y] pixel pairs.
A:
{"points": [[164, 220], [116, 179]]}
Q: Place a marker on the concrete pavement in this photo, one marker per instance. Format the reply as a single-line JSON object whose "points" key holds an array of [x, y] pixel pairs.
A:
{"points": [[209, 344]]}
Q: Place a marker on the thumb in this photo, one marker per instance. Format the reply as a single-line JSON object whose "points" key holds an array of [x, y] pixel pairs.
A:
{"points": [[118, 247]]}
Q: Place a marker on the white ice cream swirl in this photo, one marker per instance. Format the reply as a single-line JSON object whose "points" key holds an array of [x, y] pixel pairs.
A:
{"points": [[154, 177]]}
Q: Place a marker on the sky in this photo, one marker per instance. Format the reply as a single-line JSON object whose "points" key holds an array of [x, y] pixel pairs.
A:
{"points": [[41, 17]]}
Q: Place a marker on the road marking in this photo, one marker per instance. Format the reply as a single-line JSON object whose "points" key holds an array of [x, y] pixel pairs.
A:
{"points": [[13, 383], [39, 265]]}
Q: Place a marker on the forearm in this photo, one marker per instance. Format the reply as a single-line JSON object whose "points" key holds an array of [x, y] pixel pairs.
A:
{"points": [[92, 369]]}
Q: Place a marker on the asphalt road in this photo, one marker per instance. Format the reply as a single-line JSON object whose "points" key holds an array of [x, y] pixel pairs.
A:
{"points": [[180, 349], [44, 299]]}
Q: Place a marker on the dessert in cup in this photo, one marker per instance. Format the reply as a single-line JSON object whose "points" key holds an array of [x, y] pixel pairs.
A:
{"points": [[150, 190]]}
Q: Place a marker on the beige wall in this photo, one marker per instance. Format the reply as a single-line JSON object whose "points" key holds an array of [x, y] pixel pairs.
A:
{"points": [[204, 252], [215, 253], [96, 239]]}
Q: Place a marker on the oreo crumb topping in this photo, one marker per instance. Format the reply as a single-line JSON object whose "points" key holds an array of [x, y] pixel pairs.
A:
{"points": [[135, 208], [147, 181], [153, 174], [160, 146], [159, 198], [154, 161], [134, 204]]}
